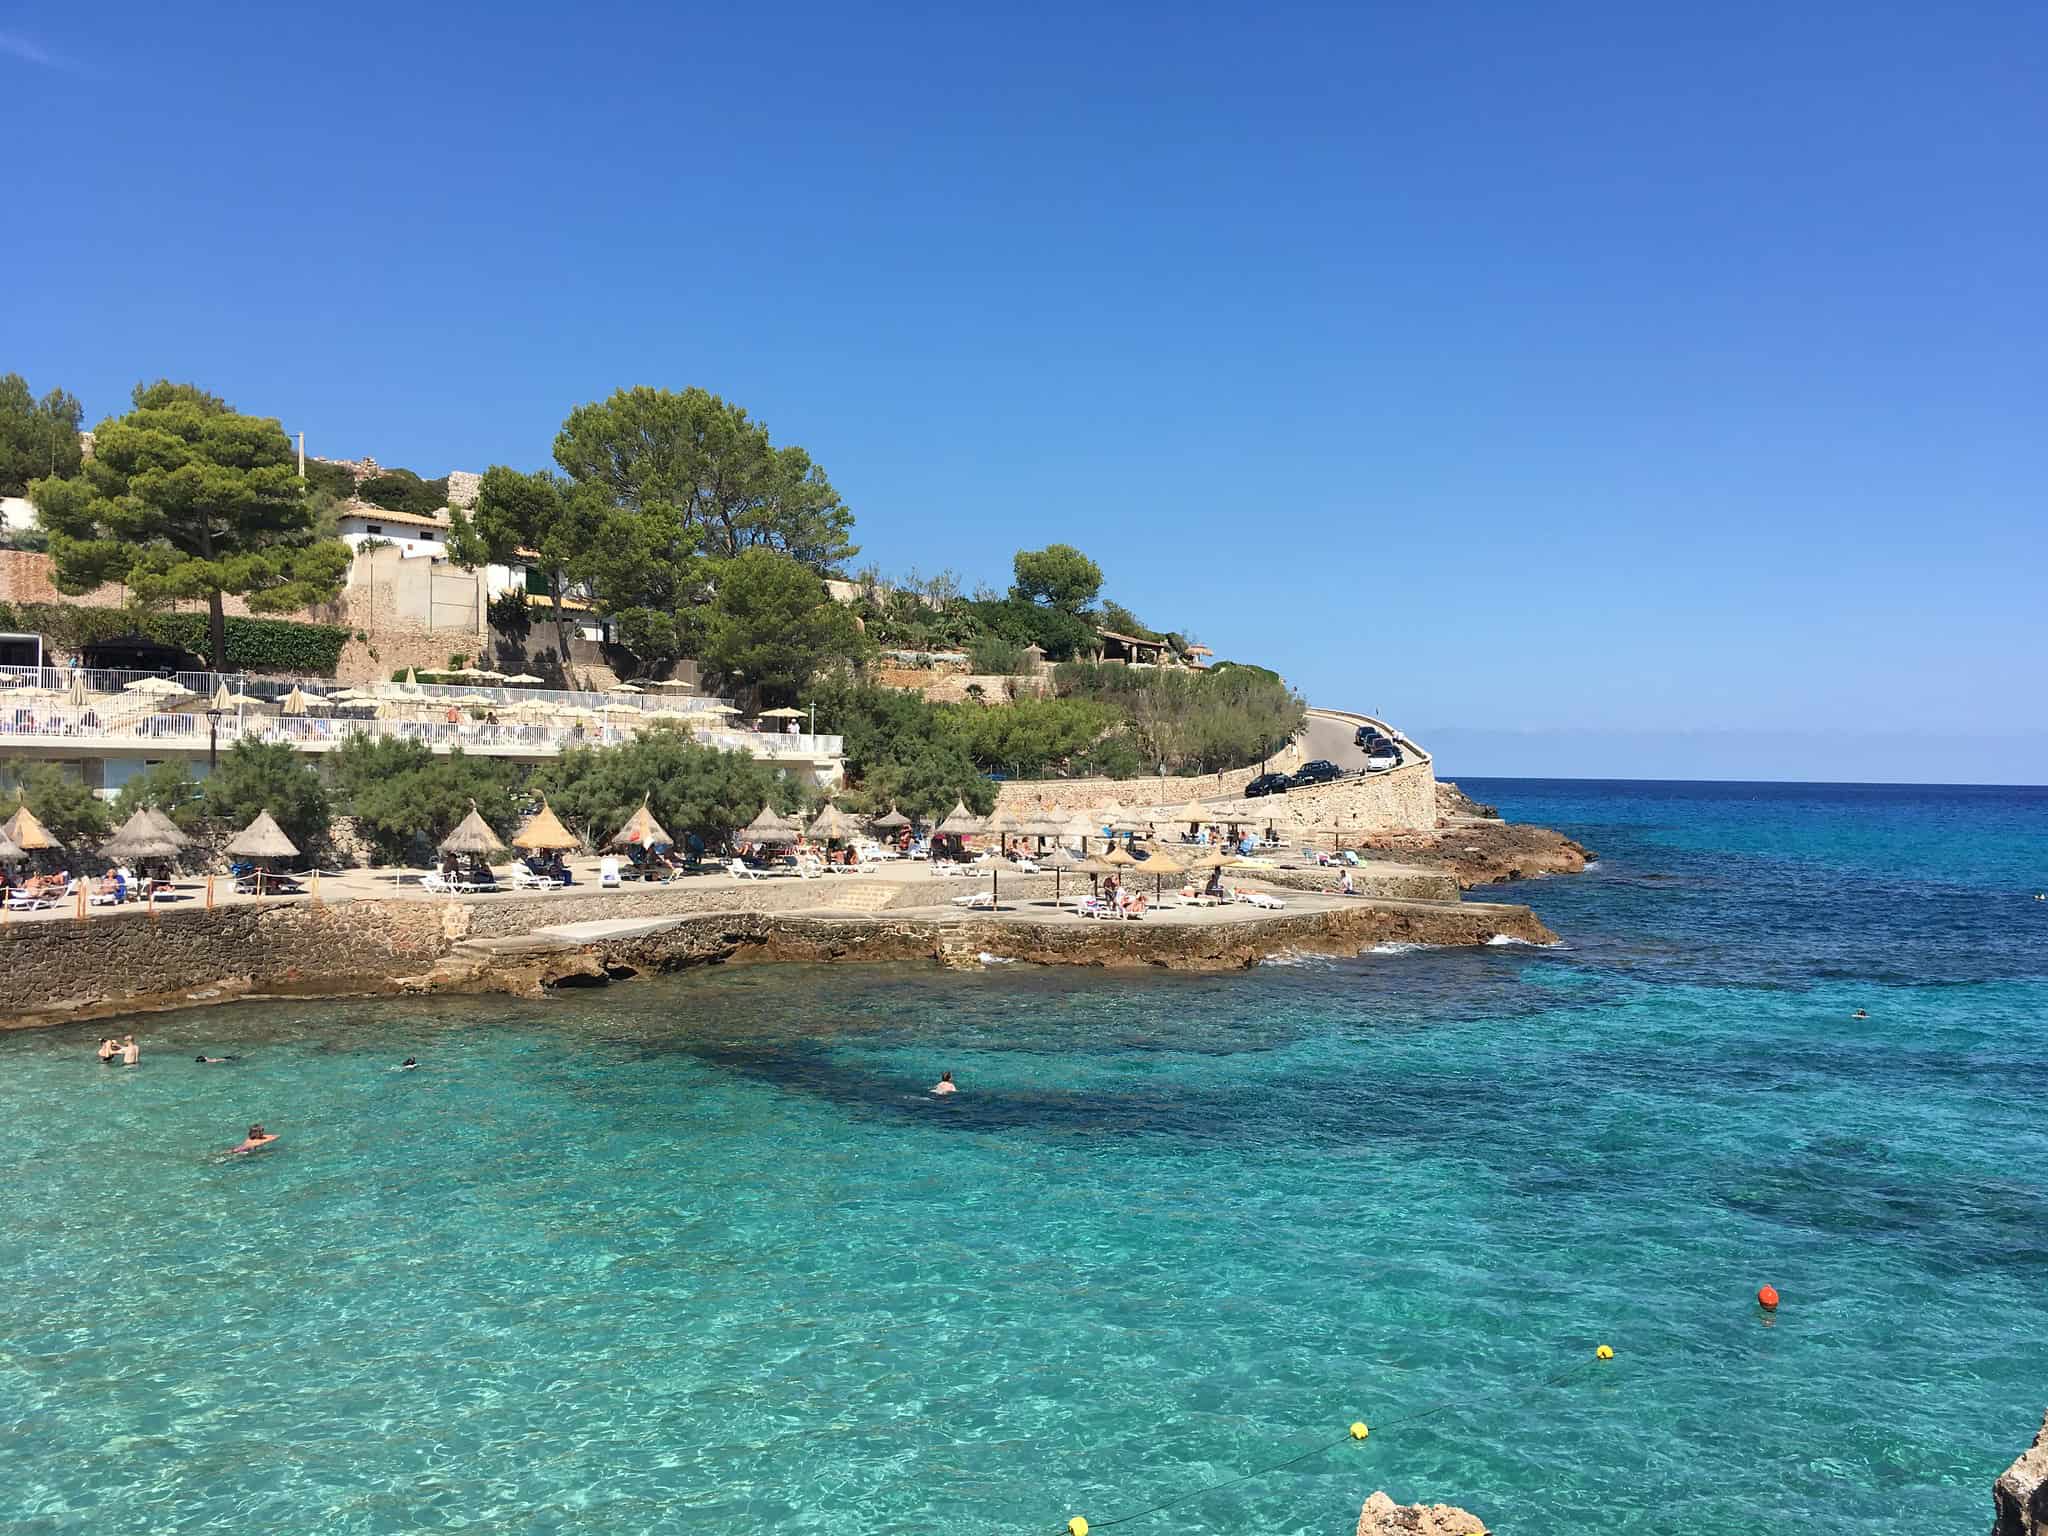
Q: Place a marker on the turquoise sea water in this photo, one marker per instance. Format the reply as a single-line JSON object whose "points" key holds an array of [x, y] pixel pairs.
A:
{"points": [[700, 1253]]}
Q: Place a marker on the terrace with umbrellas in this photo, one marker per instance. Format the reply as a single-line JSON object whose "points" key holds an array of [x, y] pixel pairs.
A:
{"points": [[80, 713]]}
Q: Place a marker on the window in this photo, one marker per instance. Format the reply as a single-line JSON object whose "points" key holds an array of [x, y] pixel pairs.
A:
{"points": [[375, 528]]}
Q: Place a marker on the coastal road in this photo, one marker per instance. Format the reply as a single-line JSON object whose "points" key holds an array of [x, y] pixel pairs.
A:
{"points": [[1330, 732]]}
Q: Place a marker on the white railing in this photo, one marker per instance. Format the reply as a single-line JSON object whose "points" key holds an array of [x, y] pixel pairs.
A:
{"points": [[95, 728], [105, 680]]}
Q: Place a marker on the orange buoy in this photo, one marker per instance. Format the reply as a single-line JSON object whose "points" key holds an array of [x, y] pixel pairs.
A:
{"points": [[1767, 1298]]}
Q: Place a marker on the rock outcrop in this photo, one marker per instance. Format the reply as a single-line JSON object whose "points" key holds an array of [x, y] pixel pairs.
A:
{"points": [[1477, 850], [1453, 801], [2021, 1493], [1383, 1517]]}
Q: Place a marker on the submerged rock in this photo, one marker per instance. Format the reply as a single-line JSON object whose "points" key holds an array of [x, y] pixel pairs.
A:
{"points": [[1383, 1517], [2021, 1493]]}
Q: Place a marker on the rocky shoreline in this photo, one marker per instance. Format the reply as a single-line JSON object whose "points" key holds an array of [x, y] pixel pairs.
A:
{"points": [[67, 972], [1472, 845]]}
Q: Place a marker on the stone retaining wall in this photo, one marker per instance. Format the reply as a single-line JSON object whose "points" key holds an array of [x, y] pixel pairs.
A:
{"points": [[67, 965]]}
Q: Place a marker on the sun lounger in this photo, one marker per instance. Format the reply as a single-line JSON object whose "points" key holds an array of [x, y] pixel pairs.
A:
{"points": [[740, 869], [440, 885], [524, 879], [1262, 900], [28, 901], [977, 901]]}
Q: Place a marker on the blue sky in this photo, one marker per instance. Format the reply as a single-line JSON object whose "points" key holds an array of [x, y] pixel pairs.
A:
{"points": [[1521, 371]]}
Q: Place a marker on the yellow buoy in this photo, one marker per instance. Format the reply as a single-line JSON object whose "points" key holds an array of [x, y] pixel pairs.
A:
{"points": [[1603, 1353], [1077, 1526], [1359, 1431]]}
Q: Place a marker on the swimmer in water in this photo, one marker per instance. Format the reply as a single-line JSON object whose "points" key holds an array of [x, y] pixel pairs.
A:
{"points": [[1861, 1014], [408, 1065], [131, 1053], [258, 1137], [945, 1084], [110, 1050], [212, 1061]]}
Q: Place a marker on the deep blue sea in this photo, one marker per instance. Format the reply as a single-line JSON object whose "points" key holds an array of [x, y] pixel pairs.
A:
{"points": [[700, 1253]]}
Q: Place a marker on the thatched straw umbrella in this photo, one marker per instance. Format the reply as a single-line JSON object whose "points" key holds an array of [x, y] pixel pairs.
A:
{"points": [[473, 837], [768, 827], [1003, 821], [1082, 826], [544, 833], [832, 824], [960, 822], [1194, 815], [27, 833], [895, 821], [9, 854], [168, 827], [140, 837], [641, 830], [1160, 865], [263, 838]]}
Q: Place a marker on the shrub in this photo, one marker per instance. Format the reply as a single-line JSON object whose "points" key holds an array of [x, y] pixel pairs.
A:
{"points": [[400, 490], [255, 776], [76, 816], [336, 480], [405, 798]]}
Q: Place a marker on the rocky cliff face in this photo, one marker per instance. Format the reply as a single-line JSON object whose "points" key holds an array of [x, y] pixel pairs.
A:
{"points": [[1383, 1517], [2021, 1494]]}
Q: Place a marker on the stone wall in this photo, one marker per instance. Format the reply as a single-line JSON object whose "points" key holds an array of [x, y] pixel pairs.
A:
{"points": [[106, 959], [1026, 795]]}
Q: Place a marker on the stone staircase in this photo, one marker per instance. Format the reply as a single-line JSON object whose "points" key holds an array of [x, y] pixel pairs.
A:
{"points": [[853, 894]]}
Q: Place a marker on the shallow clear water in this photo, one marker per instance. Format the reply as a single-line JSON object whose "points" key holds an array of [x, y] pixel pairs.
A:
{"points": [[699, 1252]]}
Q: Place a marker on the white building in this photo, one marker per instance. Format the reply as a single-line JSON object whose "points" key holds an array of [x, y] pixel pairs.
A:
{"points": [[411, 534]]}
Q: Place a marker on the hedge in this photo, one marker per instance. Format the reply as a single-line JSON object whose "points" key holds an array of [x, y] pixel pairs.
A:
{"points": [[254, 645]]}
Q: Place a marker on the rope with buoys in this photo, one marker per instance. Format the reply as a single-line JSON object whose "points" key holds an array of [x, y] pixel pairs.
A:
{"points": [[1079, 1525]]}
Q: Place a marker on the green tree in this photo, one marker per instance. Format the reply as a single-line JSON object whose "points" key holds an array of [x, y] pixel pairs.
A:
{"points": [[690, 787], [705, 478], [166, 787], [773, 624], [75, 816], [38, 438], [406, 798], [1057, 576], [185, 498], [902, 749], [533, 520], [255, 776]]}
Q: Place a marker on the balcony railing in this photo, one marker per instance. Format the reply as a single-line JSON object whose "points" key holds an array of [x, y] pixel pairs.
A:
{"points": [[90, 729]]}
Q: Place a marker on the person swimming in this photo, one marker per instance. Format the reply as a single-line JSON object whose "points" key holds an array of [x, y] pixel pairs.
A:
{"points": [[408, 1065], [258, 1137], [131, 1053], [212, 1061], [1860, 1014], [945, 1084], [110, 1051]]}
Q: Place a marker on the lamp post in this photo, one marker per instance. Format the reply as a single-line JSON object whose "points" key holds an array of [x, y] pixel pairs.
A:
{"points": [[212, 738]]}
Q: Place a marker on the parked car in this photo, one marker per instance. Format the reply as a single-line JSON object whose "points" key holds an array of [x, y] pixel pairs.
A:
{"points": [[1381, 759], [1266, 784], [1321, 771], [1368, 737]]}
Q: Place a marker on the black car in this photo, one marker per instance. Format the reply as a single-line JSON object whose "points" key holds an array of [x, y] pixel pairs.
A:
{"points": [[1266, 784], [1369, 737], [1321, 771]]}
